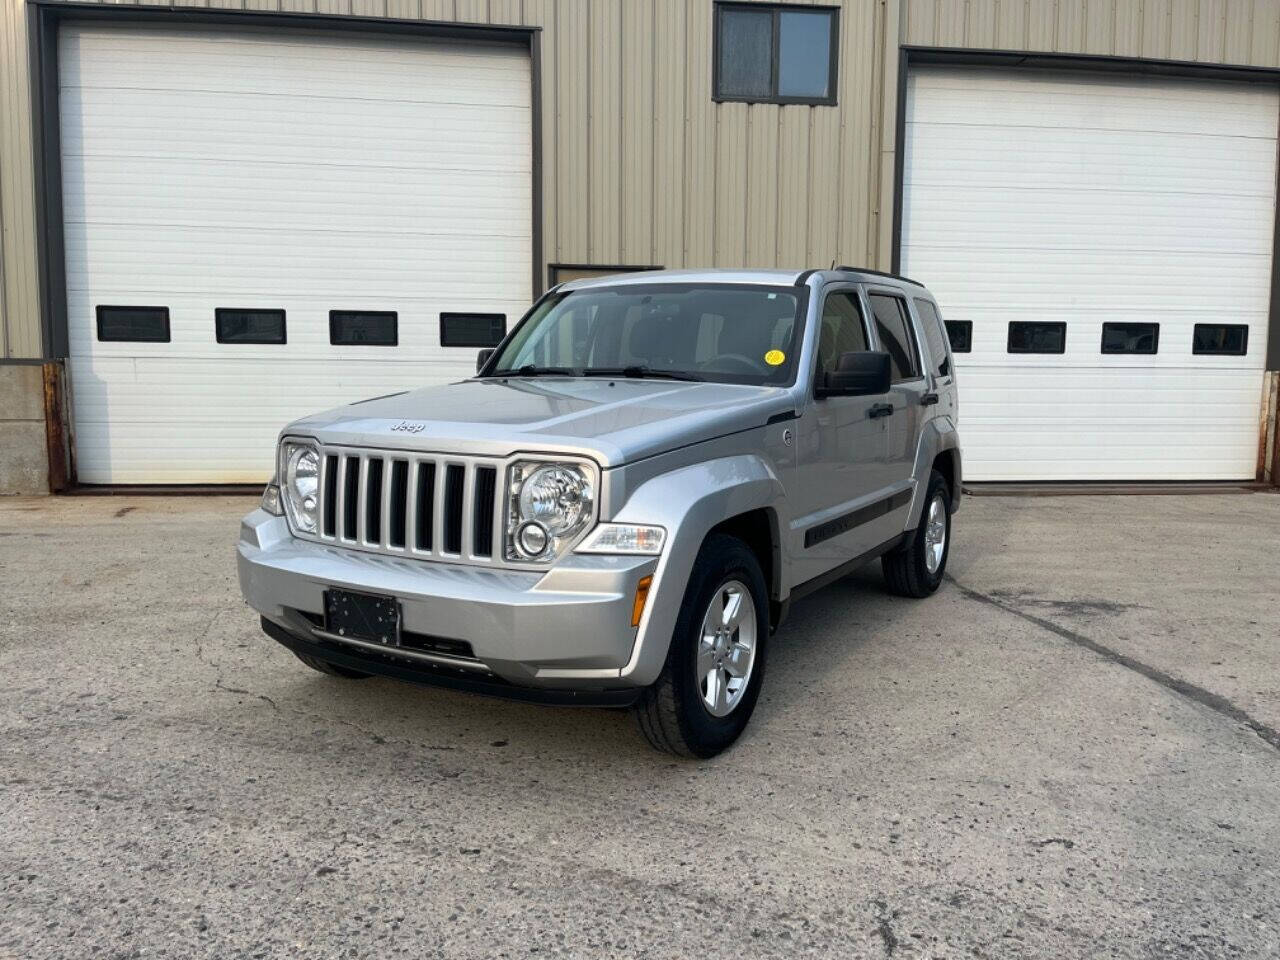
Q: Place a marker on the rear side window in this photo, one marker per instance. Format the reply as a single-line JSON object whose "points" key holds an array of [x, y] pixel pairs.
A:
{"points": [[842, 330], [894, 331], [363, 328], [935, 336], [1220, 339], [1130, 337], [133, 324], [1037, 337]]}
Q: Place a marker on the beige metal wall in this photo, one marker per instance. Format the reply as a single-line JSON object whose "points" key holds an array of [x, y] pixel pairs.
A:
{"points": [[1237, 32], [640, 166]]}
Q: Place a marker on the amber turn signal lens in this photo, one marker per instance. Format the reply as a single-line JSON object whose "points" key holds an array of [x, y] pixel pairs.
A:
{"points": [[642, 595]]}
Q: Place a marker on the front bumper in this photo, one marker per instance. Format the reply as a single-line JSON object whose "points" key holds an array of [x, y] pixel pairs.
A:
{"points": [[566, 628]]}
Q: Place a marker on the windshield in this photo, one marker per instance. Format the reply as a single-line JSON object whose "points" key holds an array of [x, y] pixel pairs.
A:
{"points": [[722, 332]]}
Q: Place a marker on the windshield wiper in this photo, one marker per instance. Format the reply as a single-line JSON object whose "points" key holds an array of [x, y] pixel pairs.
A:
{"points": [[640, 373], [532, 370]]}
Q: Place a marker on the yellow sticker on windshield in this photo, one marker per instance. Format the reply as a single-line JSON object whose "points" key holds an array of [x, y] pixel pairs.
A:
{"points": [[774, 357]]}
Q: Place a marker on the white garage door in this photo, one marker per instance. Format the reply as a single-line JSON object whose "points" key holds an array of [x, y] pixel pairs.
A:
{"points": [[1060, 203], [278, 177]]}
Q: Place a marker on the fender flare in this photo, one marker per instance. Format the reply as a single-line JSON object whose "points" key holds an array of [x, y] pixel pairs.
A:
{"points": [[939, 435], [689, 503]]}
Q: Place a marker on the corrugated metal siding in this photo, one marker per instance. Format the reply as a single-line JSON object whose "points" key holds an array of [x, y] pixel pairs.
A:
{"points": [[1240, 32], [640, 166]]}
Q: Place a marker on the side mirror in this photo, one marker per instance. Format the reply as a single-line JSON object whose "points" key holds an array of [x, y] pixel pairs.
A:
{"points": [[483, 357], [857, 374]]}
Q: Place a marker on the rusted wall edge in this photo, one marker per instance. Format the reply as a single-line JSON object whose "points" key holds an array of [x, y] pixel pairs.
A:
{"points": [[55, 429]]}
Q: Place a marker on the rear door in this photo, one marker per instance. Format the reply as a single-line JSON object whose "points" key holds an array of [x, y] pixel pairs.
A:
{"points": [[895, 334]]}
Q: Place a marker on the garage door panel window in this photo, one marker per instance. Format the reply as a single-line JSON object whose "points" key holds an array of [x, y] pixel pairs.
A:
{"points": [[249, 326], [843, 331], [1037, 337], [133, 324], [775, 54], [367, 328], [960, 333], [1130, 337], [1220, 339], [894, 332], [935, 335], [472, 329]]}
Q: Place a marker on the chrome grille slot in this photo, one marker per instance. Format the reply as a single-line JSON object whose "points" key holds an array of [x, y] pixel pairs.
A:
{"points": [[411, 506]]}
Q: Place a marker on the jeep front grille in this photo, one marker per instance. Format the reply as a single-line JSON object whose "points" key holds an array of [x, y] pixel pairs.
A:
{"points": [[411, 504]]}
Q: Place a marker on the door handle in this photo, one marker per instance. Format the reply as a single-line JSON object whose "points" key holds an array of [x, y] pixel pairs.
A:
{"points": [[880, 410], [928, 400]]}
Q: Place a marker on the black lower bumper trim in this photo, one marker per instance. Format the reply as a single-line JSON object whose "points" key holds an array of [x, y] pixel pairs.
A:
{"points": [[432, 676]]}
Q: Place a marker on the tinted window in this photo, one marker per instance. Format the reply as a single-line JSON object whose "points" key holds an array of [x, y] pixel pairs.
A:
{"points": [[775, 54], [133, 324], [960, 333], [894, 331], [842, 330], [935, 336], [1035, 337], [249, 326], [367, 328], [1223, 339], [1130, 337], [472, 329]]}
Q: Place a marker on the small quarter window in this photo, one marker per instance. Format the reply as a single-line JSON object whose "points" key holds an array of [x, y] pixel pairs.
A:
{"points": [[935, 336], [1037, 337], [1130, 337], [1220, 339], [133, 324], [894, 331], [363, 328], [775, 54], [472, 329], [960, 333], [249, 326]]}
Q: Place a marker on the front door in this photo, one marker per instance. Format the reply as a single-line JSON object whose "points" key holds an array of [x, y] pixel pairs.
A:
{"points": [[896, 336], [841, 468]]}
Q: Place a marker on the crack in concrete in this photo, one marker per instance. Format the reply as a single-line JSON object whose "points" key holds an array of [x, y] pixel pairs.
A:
{"points": [[1193, 692]]}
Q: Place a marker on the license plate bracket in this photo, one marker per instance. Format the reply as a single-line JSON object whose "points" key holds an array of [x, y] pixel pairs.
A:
{"points": [[362, 616]]}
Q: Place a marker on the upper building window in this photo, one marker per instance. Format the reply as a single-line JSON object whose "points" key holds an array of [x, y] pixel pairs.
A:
{"points": [[775, 54]]}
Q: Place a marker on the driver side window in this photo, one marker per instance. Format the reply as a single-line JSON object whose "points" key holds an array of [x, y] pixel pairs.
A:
{"points": [[842, 331]]}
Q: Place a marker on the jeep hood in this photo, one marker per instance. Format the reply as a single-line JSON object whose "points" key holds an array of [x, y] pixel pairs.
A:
{"points": [[615, 421]]}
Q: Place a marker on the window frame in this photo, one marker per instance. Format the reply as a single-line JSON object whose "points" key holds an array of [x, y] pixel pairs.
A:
{"points": [[97, 312], [1155, 340], [908, 317], [1242, 352], [1008, 344], [395, 320], [776, 9], [217, 326]]}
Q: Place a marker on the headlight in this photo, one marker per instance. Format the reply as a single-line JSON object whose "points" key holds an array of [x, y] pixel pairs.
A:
{"points": [[271, 500], [623, 538], [548, 504], [300, 483]]}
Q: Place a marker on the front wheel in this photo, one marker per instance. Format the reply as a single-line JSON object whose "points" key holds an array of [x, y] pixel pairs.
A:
{"points": [[916, 568], [708, 687]]}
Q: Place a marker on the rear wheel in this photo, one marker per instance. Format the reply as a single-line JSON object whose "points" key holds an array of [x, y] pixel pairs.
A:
{"points": [[709, 684], [916, 568], [332, 669]]}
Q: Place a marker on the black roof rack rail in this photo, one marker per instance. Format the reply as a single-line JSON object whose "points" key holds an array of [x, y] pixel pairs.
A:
{"points": [[881, 273]]}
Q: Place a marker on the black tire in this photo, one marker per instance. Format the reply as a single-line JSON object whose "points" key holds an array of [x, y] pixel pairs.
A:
{"points": [[332, 669], [905, 570], [671, 713]]}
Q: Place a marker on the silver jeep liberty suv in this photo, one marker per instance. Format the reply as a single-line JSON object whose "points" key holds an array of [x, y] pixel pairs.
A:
{"points": [[621, 505]]}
